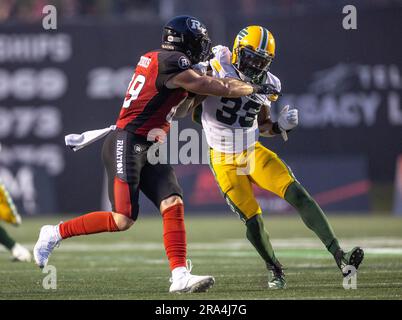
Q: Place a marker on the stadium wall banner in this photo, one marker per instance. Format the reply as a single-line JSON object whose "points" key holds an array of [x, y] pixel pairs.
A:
{"points": [[73, 79], [338, 184]]}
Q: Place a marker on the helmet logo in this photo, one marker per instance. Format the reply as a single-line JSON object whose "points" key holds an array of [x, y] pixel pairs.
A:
{"points": [[196, 25], [184, 63], [138, 148]]}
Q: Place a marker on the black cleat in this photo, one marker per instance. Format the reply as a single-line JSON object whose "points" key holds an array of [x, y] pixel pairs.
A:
{"points": [[352, 258], [276, 277]]}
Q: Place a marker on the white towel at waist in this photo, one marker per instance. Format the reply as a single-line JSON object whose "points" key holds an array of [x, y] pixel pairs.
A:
{"points": [[79, 141]]}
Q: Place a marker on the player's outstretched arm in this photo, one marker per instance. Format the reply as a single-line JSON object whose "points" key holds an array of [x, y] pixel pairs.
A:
{"points": [[209, 86]]}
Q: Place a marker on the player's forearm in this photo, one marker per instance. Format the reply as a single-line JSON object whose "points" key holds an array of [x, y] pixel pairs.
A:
{"points": [[190, 81], [236, 88], [230, 88], [264, 114], [266, 128]]}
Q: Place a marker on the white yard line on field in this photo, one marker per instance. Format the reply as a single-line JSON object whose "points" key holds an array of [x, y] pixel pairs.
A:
{"points": [[239, 247]]}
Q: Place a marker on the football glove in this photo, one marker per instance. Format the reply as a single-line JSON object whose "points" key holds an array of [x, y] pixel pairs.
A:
{"points": [[288, 119], [266, 89]]}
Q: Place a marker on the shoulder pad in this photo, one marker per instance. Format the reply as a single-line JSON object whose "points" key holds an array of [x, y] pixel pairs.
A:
{"points": [[221, 63], [222, 53], [274, 80]]}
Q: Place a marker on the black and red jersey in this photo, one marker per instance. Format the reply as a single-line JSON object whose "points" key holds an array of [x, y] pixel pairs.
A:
{"points": [[148, 103]]}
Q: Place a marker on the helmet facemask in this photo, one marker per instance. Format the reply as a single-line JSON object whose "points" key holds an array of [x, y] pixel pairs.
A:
{"points": [[199, 50], [253, 65]]}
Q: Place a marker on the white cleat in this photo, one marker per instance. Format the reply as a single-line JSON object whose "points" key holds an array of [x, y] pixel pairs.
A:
{"points": [[21, 253], [49, 238], [184, 282]]}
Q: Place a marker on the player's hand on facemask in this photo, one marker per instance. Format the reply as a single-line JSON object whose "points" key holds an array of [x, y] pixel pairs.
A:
{"points": [[288, 119], [266, 89]]}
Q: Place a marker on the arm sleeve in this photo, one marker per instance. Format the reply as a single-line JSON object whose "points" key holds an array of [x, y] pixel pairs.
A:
{"points": [[170, 64]]}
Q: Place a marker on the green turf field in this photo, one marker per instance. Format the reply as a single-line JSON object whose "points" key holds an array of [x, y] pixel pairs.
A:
{"points": [[132, 265]]}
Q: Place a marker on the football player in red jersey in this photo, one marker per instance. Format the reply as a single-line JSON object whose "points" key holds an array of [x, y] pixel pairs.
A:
{"points": [[161, 81]]}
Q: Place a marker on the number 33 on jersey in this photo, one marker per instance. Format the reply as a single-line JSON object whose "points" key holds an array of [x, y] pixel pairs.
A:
{"points": [[230, 124]]}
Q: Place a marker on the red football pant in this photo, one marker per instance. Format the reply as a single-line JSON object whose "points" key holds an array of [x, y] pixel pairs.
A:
{"points": [[94, 222], [174, 235]]}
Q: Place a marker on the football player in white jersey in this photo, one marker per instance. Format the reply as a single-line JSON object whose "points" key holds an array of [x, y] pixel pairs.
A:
{"points": [[9, 214], [232, 127]]}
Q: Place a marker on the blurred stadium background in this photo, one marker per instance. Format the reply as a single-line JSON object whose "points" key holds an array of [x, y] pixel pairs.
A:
{"points": [[347, 85]]}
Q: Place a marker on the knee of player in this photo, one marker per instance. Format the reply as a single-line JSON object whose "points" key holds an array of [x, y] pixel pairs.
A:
{"points": [[170, 201], [298, 197], [255, 219], [122, 221]]}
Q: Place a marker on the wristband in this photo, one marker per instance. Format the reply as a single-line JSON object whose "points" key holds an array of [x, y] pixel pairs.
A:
{"points": [[256, 88], [275, 128]]}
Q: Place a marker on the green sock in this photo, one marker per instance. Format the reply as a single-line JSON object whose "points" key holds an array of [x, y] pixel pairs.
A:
{"points": [[259, 238], [5, 239], [312, 215]]}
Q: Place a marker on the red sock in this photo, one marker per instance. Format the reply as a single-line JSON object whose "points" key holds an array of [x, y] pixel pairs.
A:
{"points": [[93, 222], [174, 235]]}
